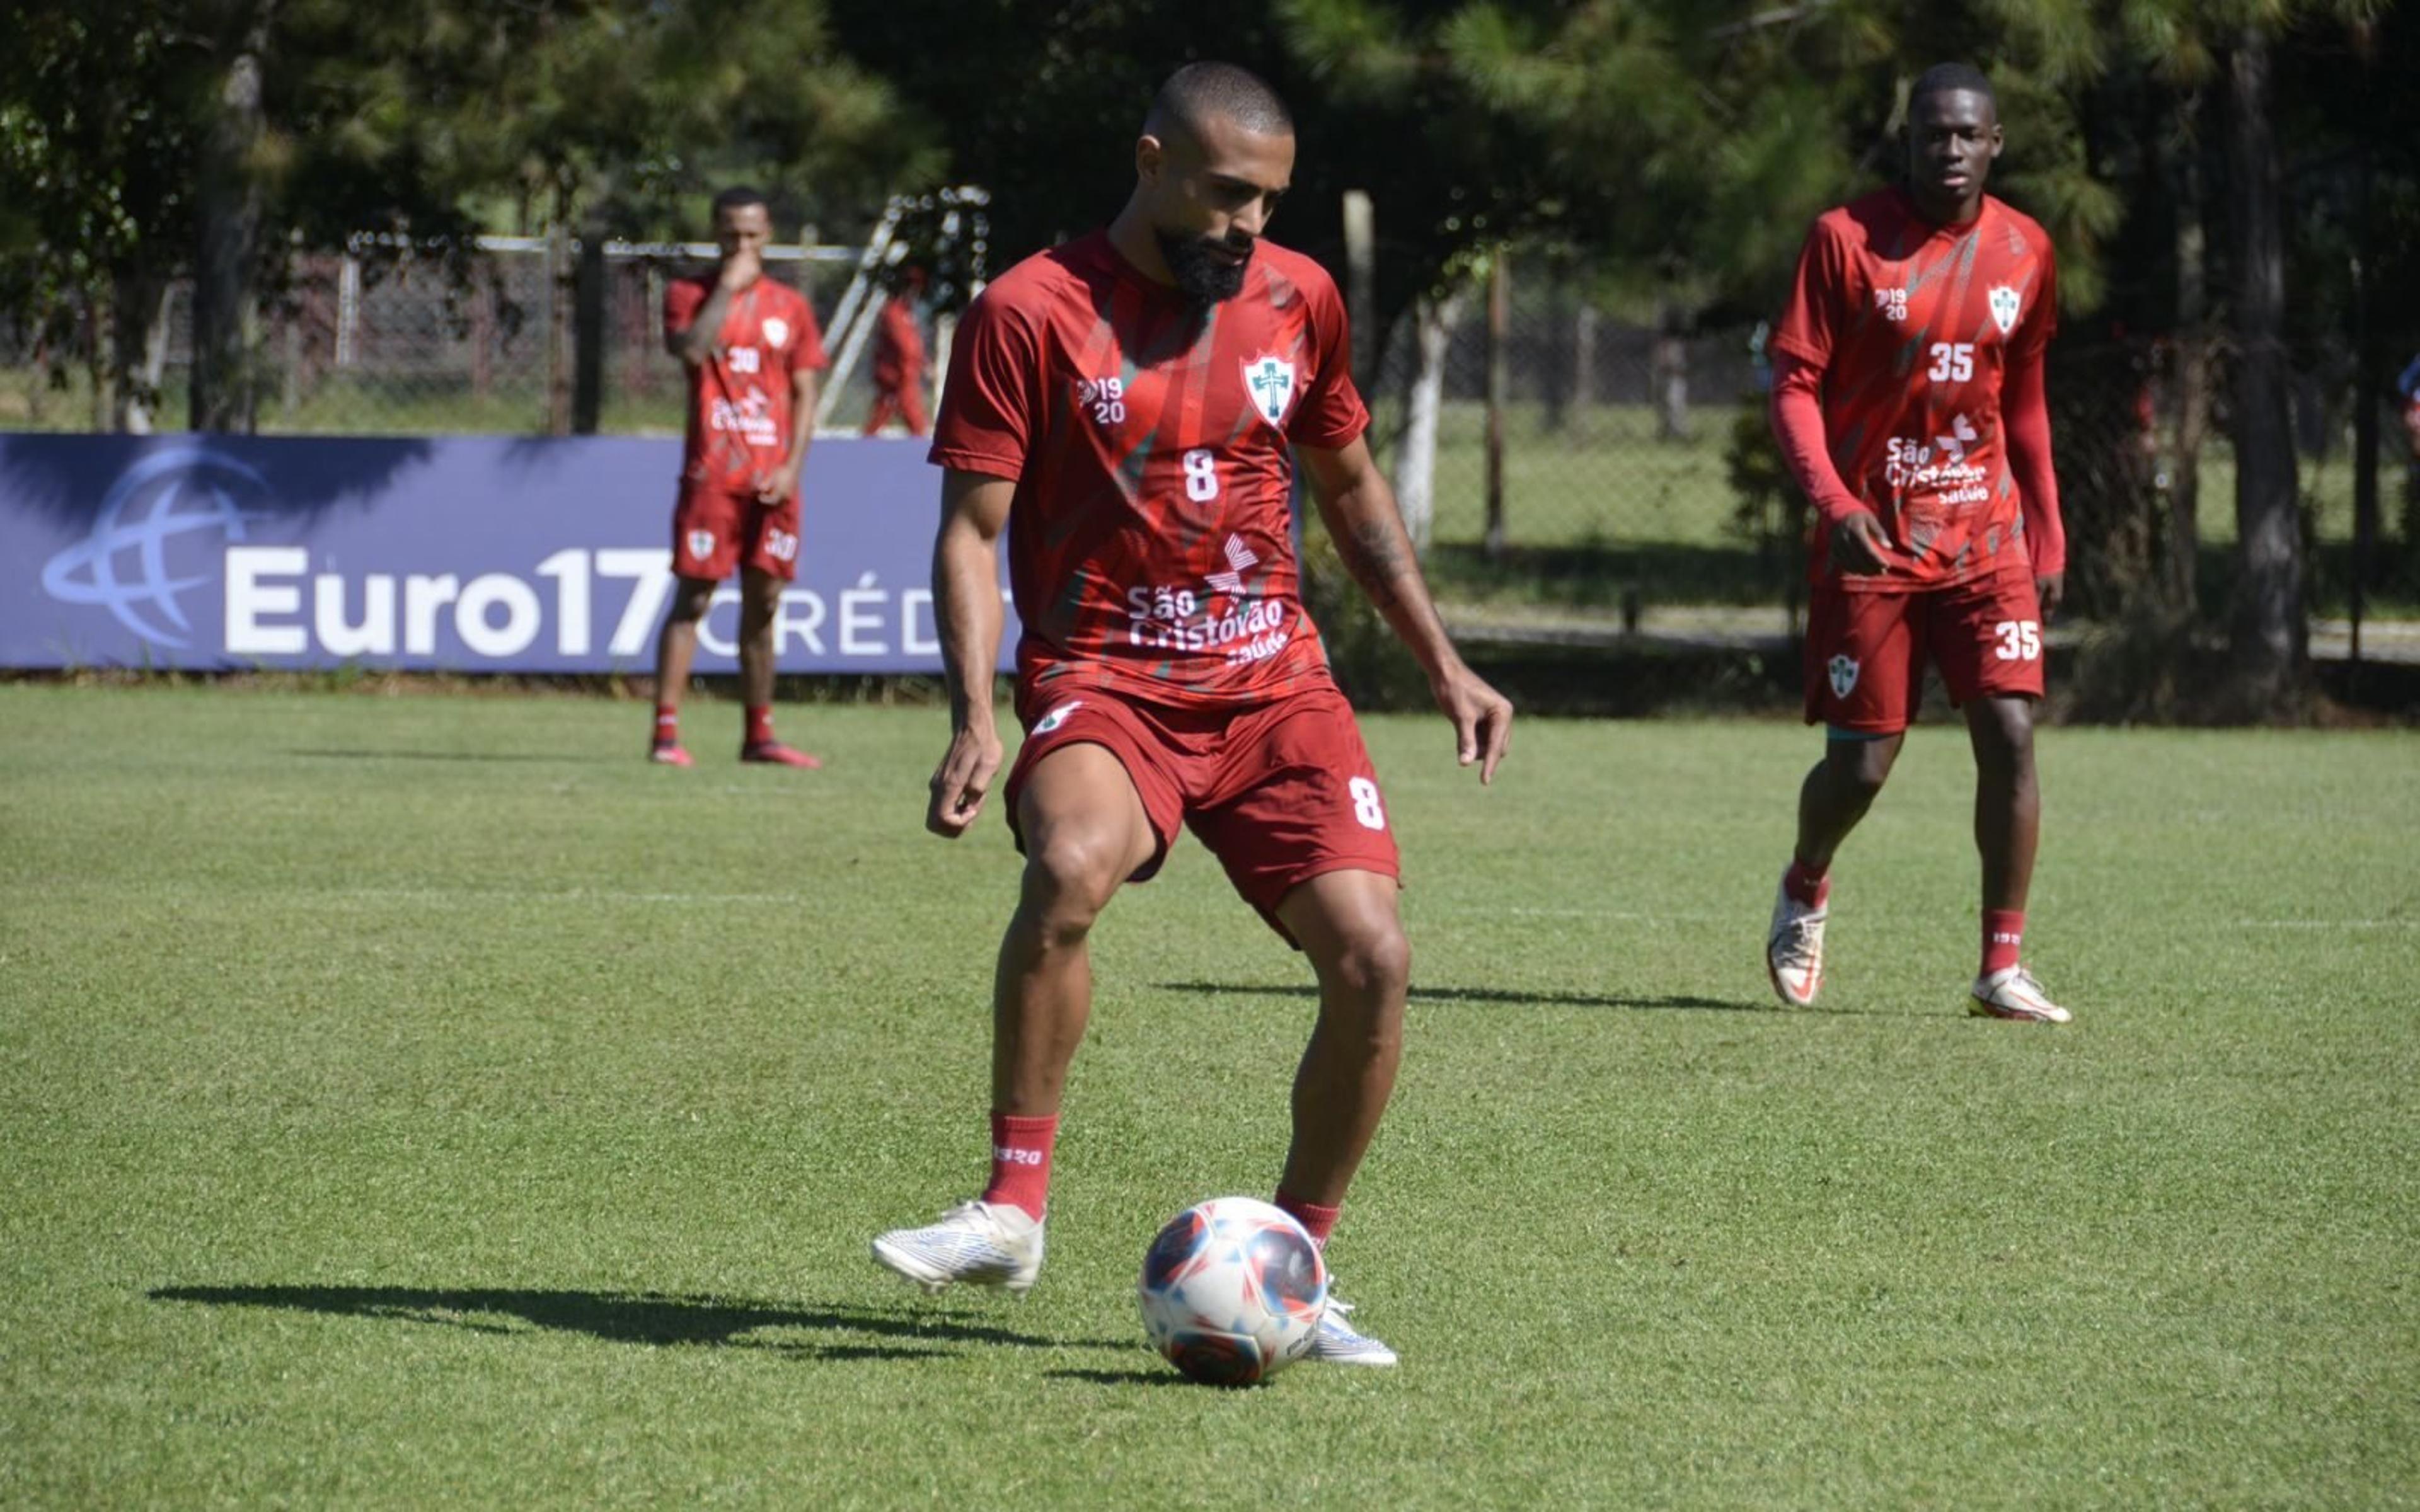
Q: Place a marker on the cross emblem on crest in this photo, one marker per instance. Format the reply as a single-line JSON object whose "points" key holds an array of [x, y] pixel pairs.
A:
{"points": [[1269, 382]]}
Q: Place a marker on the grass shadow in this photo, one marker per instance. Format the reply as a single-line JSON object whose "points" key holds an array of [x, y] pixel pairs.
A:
{"points": [[1684, 1001], [1122, 1377], [637, 1318]]}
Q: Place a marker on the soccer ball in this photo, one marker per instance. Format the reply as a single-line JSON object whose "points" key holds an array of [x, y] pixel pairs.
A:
{"points": [[1232, 1290]]}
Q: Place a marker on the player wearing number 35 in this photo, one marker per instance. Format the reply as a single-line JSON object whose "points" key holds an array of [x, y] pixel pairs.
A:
{"points": [[1128, 407], [1908, 399]]}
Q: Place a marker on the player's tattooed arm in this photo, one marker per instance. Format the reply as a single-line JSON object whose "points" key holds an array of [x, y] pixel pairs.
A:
{"points": [[1377, 551], [1359, 510]]}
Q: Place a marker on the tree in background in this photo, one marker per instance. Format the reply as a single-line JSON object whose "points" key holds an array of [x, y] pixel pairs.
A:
{"points": [[148, 139]]}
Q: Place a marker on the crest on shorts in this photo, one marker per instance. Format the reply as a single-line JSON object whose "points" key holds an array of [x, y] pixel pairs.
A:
{"points": [[1056, 716], [2006, 306], [1844, 675], [776, 331], [701, 542], [1269, 382]]}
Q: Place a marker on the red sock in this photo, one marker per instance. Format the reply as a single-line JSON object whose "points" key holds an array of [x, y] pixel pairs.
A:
{"points": [[667, 724], [1807, 885], [1320, 1222], [2004, 931], [1021, 1161], [760, 724]]}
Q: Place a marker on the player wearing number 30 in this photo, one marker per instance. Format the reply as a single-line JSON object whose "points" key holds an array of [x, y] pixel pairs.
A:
{"points": [[1908, 400], [1128, 407]]}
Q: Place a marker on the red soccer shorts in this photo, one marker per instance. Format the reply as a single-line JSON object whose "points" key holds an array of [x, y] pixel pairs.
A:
{"points": [[1279, 792], [715, 530], [1866, 652]]}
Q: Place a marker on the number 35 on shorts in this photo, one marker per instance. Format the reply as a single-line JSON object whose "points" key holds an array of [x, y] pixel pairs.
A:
{"points": [[1366, 807], [2020, 640]]}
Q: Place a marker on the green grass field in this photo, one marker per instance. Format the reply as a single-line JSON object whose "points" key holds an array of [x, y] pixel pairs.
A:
{"points": [[423, 1100]]}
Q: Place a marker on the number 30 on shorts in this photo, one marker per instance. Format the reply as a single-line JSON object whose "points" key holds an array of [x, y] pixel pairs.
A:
{"points": [[2020, 640], [1366, 807]]}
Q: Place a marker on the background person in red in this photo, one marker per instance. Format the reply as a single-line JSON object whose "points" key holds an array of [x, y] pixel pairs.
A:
{"points": [[1908, 400], [899, 359], [1128, 407], [751, 349]]}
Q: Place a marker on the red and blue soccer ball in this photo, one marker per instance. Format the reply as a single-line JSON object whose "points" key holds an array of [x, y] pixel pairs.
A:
{"points": [[1232, 1290]]}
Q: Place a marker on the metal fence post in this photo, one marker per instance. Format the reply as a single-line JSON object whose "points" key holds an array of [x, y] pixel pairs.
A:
{"points": [[1500, 316]]}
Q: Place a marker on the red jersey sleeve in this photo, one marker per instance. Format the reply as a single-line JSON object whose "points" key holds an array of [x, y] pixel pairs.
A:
{"points": [[1331, 415], [807, 352], [2042, 318], [992, 402], [683, 299], [1811, 321]]}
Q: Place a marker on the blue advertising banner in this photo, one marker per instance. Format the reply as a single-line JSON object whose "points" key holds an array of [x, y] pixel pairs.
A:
{"points": [[485, 554]]}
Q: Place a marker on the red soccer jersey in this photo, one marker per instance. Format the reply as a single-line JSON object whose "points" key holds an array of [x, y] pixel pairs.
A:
{"points": [[740, 398], [1913, 326], [1150, 540]]}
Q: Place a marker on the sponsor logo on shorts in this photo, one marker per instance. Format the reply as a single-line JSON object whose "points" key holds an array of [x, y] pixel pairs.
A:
{"points": [[701, 543], [1056, 716], [1844, 675]]}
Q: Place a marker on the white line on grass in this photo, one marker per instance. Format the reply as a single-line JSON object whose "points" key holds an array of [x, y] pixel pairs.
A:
{"points": [[2327, 923]]}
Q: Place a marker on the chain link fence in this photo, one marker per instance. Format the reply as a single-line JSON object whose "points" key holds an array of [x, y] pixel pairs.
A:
{"points": [[1635, 478], [1631, 481]]}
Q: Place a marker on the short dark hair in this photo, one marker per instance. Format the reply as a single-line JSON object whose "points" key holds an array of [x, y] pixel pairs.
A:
{"points": [[739, 196], [1198, 92], [1949, 78]]}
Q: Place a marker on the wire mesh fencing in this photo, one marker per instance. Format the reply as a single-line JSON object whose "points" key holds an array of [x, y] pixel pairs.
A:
{"points": [[1561, 460]]}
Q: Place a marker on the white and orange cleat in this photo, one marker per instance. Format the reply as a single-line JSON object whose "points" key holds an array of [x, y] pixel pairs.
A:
{"points": [[670, 754], [2011, 993], [1794, 949]]}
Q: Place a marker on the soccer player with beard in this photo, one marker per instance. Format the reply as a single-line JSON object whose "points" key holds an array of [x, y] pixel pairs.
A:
{"points": [[1128, 407], [1908, 399]]}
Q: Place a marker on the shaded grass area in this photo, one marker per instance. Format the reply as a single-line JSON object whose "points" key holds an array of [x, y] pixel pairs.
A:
{"points": [[413, 1100]]}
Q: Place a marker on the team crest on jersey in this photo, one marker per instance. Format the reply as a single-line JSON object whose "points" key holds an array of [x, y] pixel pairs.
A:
{"points": [[1056, 716], [2005, 307], [1844, 675], [776, 331], [1269, 382], [701, 542]]}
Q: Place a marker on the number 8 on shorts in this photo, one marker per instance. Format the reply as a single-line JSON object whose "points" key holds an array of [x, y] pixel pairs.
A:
{"points": [[1366, 807]]}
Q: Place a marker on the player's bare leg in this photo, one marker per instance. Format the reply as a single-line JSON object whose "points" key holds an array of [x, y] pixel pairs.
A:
{"points": [[760, 603], [2007, 797], [1348, 925], [1350, 930], [1085, 832], [2008, 831], [676, 650], [1838, 791]]}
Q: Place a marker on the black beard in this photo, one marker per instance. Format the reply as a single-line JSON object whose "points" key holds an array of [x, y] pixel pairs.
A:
{"points": [[1200, 275]]}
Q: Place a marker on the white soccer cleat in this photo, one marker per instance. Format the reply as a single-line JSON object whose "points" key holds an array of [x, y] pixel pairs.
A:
{"points": [[982, 1243], [1794, 949], [2011, 993], [1336, 1341]]}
